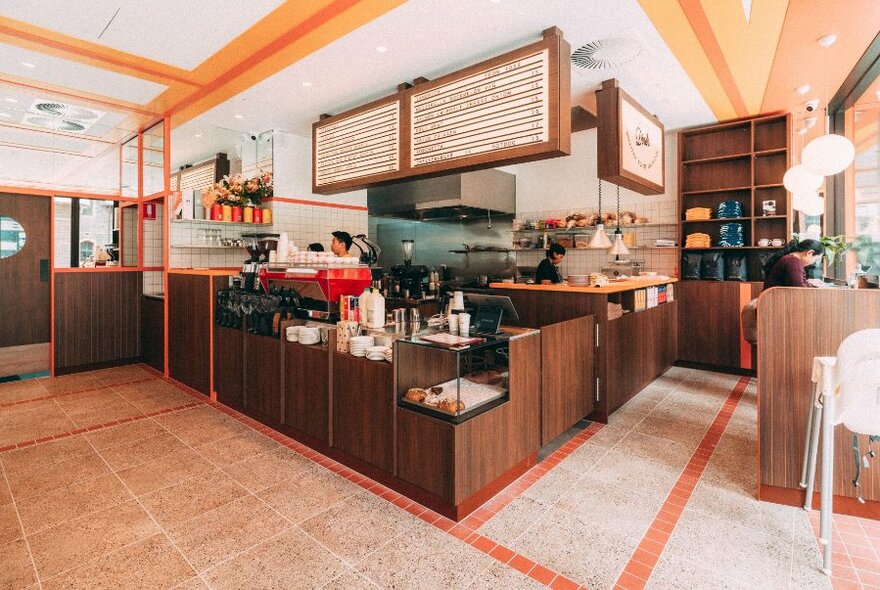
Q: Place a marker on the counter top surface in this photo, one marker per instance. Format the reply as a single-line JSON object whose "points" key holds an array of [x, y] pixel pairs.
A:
{"points": [[615, 287], [210, 272]]}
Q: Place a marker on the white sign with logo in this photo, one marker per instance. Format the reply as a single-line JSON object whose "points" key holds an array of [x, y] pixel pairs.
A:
{"points": [[641, 144]]}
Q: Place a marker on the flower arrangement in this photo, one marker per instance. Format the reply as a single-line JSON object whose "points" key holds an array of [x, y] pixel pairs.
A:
{"points": [[237, 191]]}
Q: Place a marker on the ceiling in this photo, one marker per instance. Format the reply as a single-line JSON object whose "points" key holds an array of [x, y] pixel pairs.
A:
{"points": [[278, 64]]}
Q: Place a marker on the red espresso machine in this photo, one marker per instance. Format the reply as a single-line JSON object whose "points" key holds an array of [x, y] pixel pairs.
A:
{"points": [[319, 286]]}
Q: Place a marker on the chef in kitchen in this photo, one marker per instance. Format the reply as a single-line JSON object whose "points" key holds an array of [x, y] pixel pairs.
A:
{"points": [[341, 243], [548, 269]]}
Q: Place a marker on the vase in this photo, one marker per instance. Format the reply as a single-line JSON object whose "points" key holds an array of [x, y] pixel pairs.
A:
{"points": [[236, 213], [227, 213], [217, 212], [248, 215], [267, 215], [258, 215]]}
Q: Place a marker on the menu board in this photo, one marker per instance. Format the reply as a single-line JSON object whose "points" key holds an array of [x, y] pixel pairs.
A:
{"points": [[358, 146], [503, 107]]}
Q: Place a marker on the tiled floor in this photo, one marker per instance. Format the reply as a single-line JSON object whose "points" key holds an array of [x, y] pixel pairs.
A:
{"points": [[117, 479]]}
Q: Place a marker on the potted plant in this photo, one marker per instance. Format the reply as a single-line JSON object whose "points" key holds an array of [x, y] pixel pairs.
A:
{"points": [[835, 247]]}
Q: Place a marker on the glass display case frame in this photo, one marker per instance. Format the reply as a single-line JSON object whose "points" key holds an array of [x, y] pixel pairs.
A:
{"points": [[473, 379]]}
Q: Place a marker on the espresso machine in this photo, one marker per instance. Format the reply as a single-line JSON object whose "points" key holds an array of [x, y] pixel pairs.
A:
{"points": [[411, 278]]}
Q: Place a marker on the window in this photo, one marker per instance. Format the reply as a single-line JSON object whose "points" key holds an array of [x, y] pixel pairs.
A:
{"points": [[83, 228], [12, 237], [86, 249]]}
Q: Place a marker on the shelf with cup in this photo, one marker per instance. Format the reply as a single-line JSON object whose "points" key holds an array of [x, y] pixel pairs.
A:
{"points": [[217, 222], [588, 228], [203, 247]]}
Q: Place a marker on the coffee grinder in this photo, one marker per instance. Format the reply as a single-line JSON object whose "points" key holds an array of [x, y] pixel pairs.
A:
{"points": [[258, 246], [412, 278]]}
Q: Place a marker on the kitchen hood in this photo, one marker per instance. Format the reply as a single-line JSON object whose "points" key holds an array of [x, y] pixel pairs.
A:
{"points": [[469, 194]]}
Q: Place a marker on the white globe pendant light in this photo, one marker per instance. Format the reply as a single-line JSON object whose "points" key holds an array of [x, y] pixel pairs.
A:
{"points": [[799, 179], [828, 154], [809, 203]]}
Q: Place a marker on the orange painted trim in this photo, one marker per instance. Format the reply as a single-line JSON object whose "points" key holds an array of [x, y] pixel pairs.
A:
{"points": [[841, 505], [211, 393], [208, 272], [745, 349], [94, 99], [103, 269], [41, 192], [140, 194], [56, 133], [71, 48], [315, 203], [166, 228], [52, 288], [696, 16], [154, 196]]}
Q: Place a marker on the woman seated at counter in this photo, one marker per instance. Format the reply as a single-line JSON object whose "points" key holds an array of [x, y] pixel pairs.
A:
{"points": [[548, 268], [788, 267]]}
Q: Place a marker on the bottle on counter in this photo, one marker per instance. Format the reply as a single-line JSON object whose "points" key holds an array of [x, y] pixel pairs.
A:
{"points": [[364, 304], [377, 309]]}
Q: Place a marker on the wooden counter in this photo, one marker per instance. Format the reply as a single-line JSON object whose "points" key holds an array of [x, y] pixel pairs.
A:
{"points": [[794, 325], [592, 365]]}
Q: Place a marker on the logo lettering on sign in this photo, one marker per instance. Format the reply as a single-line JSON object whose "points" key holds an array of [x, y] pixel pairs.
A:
{"points": [[642, 137]]}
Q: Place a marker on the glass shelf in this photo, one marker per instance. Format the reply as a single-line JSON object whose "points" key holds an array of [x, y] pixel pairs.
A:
{"points": [[589, 228], [215, 222]]}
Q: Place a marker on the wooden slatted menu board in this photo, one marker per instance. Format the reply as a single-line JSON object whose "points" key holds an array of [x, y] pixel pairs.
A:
{"points": [[511, 108], [358, 146]]}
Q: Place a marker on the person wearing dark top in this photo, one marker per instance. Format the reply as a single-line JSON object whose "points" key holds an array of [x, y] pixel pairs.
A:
{"points": [[316, 247], [547, 270], [787, 268]]}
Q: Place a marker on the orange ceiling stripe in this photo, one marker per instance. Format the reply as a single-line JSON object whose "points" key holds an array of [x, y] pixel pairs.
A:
{"points": [[748, 47], [696, 16], [60, 45], [671, 22], [337, 19]]}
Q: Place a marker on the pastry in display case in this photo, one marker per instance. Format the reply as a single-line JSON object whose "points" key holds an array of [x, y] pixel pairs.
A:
{"points": [[452, 383]]}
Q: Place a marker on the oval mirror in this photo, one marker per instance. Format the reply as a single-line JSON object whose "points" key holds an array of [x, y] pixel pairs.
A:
{"points": [[12, 236]]}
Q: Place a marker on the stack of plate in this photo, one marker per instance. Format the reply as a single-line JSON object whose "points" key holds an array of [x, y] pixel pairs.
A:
{"points": [[376, 353], [578, 280], [309, 335], [357, 346]]}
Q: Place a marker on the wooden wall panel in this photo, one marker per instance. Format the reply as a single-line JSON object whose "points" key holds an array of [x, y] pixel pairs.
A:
{"points": [[794, 325], [307, 390], [189, 330], [568, 375], [426, 452], [97, 318], [263, 371], [153, 332], [229, 366]]}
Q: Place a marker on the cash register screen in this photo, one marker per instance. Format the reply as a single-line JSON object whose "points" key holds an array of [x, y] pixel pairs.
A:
{"points": [[488, 319]]}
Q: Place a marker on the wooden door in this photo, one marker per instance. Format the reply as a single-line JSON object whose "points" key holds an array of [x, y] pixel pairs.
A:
{"points": [[24, 285]]}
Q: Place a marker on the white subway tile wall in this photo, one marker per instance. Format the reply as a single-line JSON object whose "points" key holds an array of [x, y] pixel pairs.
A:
{"points": [[153, 242], [154, 282], [304, 224]]}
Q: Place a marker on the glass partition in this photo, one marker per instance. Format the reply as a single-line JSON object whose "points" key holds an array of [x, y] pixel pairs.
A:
{"points": [[129, 168], [154, 159], [87, 233]]}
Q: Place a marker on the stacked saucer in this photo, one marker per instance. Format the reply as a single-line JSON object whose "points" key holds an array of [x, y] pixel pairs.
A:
{"points": [[309, 335], [357, 346], [376, 353], [578, 280]]}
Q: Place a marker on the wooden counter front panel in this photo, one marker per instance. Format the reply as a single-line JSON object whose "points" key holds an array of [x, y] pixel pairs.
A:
{"points": [[363, 410], [229, 366], [537, 309], [426, 453], [567, 363], [189, 330], [640, 346], [794, 325], [307, 390], [153, 332], [97, 319], [263, 375], [709, 322]]}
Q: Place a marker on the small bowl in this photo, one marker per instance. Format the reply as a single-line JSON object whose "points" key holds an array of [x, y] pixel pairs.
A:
{"points": [[777, 242], [763, 243]]}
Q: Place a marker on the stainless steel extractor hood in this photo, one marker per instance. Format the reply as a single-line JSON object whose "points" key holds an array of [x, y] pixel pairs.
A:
{"points": [[468, 194]]}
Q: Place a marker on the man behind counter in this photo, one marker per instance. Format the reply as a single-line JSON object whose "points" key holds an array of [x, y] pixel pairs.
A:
{"points": [[547, 269], [341, 243]]}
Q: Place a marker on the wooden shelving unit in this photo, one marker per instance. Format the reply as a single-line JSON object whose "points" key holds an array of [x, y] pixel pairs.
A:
{"points": [[742, 161]]}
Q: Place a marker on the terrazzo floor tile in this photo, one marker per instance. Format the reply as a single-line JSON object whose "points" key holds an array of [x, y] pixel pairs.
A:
{"points": [[290, 560], [217, 535], [47, 477], [166, 471], [350, 580], [71, 383], [261, 471], [74, 542], [61, 504], [142, 451], [673, 573], [10, 530], [32, 421], [18, 569], [148, 564], [308, 493], [15, 391], [191, 497], [38, 456], [501, 576], [514, 520], [200, 425], [236, 448], [124, 434]]}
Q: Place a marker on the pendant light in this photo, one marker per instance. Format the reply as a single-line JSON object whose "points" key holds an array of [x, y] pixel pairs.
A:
{"points": [[619, 249], [799, 179], [600, 240], [828, 154]]}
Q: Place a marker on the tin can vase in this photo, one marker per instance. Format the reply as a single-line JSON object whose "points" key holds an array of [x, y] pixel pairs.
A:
{"points": [[267, 215], [236, 213], [227, 213], [217, 212], [258, 215], [248, 215]]}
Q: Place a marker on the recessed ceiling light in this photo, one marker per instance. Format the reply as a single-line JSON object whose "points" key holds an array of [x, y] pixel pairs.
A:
{"points": [[5, 115], [802, 131], [810, 122], [827, 40], [307, 84], [197, 135], [28, 64], [381, 49], [239, 116], [802, 90], [877, 94], [10, 100]]}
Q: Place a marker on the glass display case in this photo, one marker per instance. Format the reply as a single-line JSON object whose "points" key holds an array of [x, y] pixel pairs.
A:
{"points": [[452, 383]]}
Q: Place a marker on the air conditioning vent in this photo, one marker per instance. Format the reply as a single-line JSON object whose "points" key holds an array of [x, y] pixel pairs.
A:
{"points": [[605, 53], [66, 111], [56, 123]]}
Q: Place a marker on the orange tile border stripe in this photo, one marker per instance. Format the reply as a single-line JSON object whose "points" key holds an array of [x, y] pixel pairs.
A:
{"points": [[78, 391], [642, 563]]}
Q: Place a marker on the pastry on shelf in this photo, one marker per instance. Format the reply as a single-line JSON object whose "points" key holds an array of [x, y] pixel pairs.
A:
{"points": [[416, 394], [451, 404], [436, 390]]}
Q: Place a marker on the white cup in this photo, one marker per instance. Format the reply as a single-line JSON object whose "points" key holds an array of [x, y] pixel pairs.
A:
{"points": [[763, 242], [453, 323], [293, 333], [464, 324]]}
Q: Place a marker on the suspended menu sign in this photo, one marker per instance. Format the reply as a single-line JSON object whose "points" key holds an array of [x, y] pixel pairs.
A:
{"points": [[511, 108], [493, 110], [358, 146]]}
